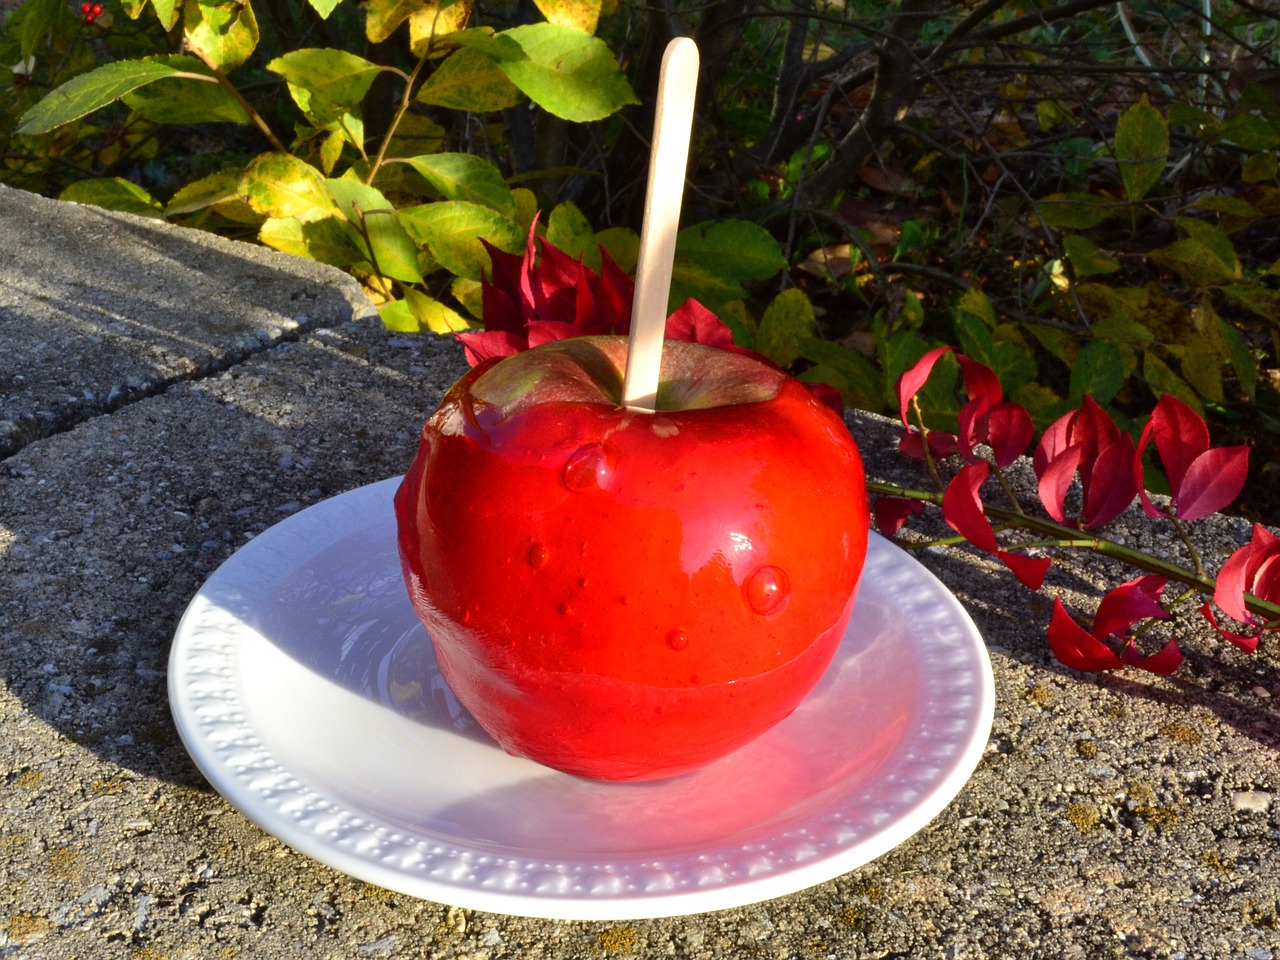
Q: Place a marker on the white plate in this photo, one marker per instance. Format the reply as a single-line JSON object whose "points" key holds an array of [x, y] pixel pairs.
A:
{"points": [[305, 688]]}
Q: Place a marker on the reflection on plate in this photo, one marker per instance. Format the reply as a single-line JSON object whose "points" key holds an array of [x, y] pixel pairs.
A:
{"points": [[305, 688]]}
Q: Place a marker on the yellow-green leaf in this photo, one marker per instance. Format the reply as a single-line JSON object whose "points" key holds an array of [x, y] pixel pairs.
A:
{"points": [[222, 33], [205, 192], [1086, 259], [734, 249], [623, 245], [580, 14], [432, 23], [354, 198], [1074, 211], [415, 136], [786, 322], [451, 232], [462, 176], [280, 185], [194, 97], [323, 7], [1259, 167], [1161, 378], [326, 241], [469, 81], [91, 91], [569, 229], [470, 294], [114, 193], [1197, 262], [1141, 148], [325, 83], [383, 16], [975, 302], [435, 316], [393, 251], [570, 74], [167, 11]]}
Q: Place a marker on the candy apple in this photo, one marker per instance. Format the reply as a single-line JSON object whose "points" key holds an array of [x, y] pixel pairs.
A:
{"points": [[626, 594]]}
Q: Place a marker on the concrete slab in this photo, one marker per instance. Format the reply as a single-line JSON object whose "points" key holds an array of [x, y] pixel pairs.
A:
{"points": [[1114, 816], [98, 308]]}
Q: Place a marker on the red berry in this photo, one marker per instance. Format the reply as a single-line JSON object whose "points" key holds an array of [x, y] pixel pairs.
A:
{"points": [[86, 7], [97, 9]]}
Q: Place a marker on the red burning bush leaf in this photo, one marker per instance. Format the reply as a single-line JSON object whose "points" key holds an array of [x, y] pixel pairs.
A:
{"points": [[892, 512], [528, 301], [1076, 647], [962, 509], [1009, 432], [1202, 480], [1254, 569], [1086, 442], [1165, 661], [909, 383], [1120, 609], [985, 417]]}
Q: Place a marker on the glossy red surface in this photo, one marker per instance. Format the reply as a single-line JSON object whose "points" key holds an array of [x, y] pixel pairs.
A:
{"points": [[629, 595]]}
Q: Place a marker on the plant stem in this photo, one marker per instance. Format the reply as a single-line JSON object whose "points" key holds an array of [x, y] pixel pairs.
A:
{"points": [[1059, 535], [225, 82], [401, 110]]}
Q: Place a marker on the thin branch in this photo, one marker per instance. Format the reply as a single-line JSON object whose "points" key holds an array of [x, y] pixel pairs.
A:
{"points": [[254, 116]]}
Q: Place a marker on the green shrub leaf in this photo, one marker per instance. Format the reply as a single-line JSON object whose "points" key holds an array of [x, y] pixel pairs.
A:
{"points": [[323, 7], [1098, 372], [1142, 148], [280, 185], [223, 34], [167, 11], [39, 18], [859, 382], [786, 322], [568, 73], [579, 14], [1161, 378], [1074, 211], [451, 232], [91, 91], [184, 99], [327, 241], [1086, 259], [569, 230], [205, 192], [470, 81], [114, 193], [734, 249], [461, 176], [325, 83]]}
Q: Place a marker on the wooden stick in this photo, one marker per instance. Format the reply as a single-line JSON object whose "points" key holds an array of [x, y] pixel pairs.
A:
{"points": [[668, 161]]}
